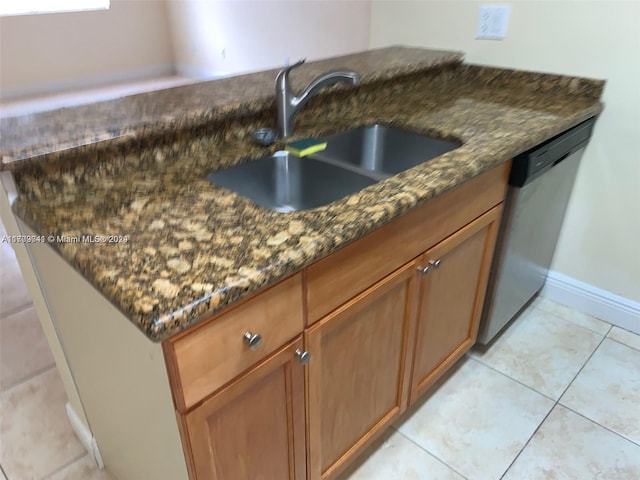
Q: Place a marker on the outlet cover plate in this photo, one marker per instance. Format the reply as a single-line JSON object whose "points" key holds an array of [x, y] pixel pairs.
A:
{"points": [[493, 21]]}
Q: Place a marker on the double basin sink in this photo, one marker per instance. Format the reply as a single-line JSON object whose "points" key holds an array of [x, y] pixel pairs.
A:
{"points": [[351, 161]]}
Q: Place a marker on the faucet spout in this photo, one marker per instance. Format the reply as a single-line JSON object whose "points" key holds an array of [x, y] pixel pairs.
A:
{"points": [[289, 105], [325, 80]]}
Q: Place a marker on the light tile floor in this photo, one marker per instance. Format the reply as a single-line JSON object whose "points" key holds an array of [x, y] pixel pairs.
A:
{"points": [[557, 396]]}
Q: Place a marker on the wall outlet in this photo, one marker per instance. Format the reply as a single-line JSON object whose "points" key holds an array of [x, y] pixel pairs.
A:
{"points": [[493, 21]]}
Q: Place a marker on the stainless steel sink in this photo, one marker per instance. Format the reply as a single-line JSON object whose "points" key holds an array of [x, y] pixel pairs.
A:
{"points": [[352, 161], [286, 183], [383, 149]]}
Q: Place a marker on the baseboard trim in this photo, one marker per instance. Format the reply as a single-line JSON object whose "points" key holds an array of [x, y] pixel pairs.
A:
{"points": [[85, 437], [615, 309]]}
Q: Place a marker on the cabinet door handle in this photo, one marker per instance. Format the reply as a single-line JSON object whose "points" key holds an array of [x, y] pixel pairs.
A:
{"points": [[435, 263], [254, 340], [423, 270], [303, 357]]}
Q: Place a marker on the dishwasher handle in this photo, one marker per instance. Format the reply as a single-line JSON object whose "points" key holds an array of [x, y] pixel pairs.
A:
{"points": [[535, 162], [562, 158]]}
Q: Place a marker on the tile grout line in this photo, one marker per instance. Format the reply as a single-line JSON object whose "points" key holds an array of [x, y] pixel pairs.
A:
{"points": [[30, 377], [556, 403], [625, 330], [575, 323], [599, 424], [479, 360], [65, 465], [527, 442], [624, 344], [430, 454], [581, 368], [16, 310], [574, 378], [513, 379]]}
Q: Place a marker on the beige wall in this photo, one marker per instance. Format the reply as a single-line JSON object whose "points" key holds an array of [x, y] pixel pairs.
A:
{"points": [[601, 234], [213, 38], [61, 51], [120, 375]]}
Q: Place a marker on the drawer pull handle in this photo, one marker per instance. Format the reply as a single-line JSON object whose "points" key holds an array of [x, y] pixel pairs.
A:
{"points": [[253, 340], [423, 270], [303, 357], [435, 263]]}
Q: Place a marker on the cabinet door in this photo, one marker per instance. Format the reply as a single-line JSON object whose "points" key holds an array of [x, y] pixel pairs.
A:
{"points": [[357, 382], [254, 429], [451, 297]]}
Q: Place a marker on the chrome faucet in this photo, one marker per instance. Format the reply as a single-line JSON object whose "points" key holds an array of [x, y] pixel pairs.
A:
{"points": [[289, 105]]}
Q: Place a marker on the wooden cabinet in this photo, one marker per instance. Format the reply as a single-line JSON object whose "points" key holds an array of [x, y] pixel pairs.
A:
{"points": [[253, 429], [358, 377], [379, 330], [451, 297]]}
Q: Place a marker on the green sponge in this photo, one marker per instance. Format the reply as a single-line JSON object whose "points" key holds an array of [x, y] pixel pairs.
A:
{"points": [[305, 146]]}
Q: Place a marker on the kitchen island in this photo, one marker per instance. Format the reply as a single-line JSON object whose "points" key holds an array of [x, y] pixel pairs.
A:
{"points": [[185, 256]]}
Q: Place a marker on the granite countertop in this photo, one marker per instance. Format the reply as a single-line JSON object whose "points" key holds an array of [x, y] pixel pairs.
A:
{"points": [[193, 248], [156, 112]]}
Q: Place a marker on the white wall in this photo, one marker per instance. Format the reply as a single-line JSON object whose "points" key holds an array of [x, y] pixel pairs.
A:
{"points": [[134, 39], [213, 38], [600, 241], [60, 51]]}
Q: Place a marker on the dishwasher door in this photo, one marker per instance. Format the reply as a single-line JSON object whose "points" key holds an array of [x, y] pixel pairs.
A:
{"points": [[527, 240]]}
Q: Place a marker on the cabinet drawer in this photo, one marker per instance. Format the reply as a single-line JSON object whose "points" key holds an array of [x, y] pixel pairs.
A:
{"points": [[204, 359], [342, 275]]}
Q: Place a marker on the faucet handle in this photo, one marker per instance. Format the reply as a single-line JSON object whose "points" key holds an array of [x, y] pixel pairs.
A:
{"points": [[288, 68], [282, 79]]}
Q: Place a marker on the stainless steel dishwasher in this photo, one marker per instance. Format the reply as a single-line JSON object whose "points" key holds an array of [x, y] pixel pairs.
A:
{"points": [[540, 184]]}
